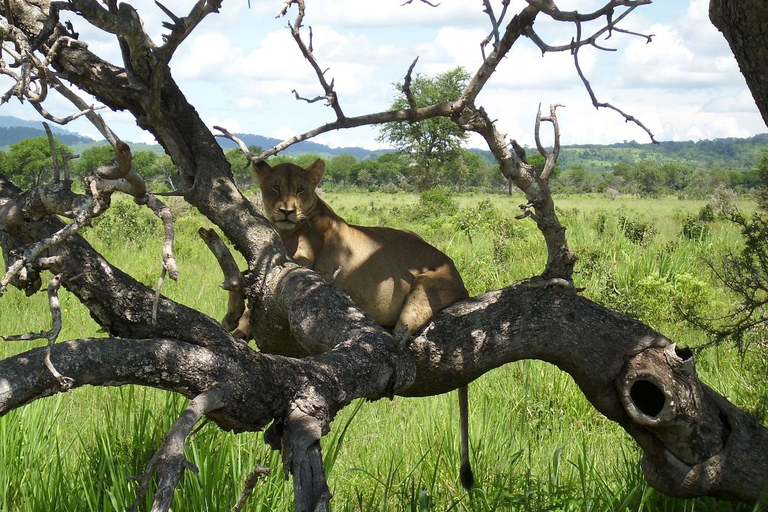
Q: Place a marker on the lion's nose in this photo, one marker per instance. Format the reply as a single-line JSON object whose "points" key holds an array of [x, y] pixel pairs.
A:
{"points": [[286, 213]]}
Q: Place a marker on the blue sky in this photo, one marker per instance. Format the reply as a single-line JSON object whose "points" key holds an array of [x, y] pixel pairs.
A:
{"points": [[239, 68]]}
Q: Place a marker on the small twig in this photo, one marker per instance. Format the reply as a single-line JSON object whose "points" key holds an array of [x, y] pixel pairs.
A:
{"points": [[52, 334], [407, 2], [258, 473]]}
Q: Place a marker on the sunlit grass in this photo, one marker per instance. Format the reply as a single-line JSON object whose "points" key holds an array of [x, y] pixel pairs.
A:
{"points": [[537, 444]]}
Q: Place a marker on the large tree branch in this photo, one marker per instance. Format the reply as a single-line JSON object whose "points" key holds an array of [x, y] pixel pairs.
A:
{"points": [[695, 442]]}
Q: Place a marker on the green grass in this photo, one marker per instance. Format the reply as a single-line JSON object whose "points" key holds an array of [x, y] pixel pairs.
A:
{"points": [[537, 444]]}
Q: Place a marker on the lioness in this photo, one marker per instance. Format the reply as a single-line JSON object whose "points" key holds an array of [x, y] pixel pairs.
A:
{"points": [[395, 276]]}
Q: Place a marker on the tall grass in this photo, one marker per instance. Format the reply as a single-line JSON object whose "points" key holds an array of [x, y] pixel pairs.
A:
{"points": [[537, 444]]}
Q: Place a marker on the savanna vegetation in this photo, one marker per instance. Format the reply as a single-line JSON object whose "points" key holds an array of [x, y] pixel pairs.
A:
{"points": [[543, 439], [546, 449]]}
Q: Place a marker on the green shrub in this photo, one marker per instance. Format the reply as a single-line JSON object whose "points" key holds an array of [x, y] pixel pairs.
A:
{"points": [[695, 229], [637, 231], [127, 223], [438, 201]]}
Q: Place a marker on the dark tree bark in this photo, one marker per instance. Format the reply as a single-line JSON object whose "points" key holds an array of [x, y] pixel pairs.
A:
{"points": [[744, 24], [695, 443]]}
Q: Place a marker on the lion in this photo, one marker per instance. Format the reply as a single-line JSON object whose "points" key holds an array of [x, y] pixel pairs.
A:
{"points": [[396, 277]]}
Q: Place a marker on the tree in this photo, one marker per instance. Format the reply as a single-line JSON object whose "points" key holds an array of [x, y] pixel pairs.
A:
{"points": [[93, 158], [743, 24], [430, 143], [693, 440], [29, 162]]}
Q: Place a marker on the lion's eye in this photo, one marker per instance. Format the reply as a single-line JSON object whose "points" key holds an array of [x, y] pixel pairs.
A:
{"points": [[276, 188], [300, 190]]}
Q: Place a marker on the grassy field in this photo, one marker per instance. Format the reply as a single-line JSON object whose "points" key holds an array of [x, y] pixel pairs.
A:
{"points": [[537, 445]]}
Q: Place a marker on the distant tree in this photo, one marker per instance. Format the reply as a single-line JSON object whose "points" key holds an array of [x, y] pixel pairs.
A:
{"points": [[464, 170], [239, 163], [649, 177], [28, 162], [339, 169], [93, 158], [432, 142], [677, 175]]}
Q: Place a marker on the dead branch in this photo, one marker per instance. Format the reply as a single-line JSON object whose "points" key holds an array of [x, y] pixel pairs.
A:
{"points": [[169, 461], [330, 93], [407, 86], [408, 2], [550, 158], [233, 279], [597, 104], [54, 155], [258, 473], [240, 144], [51, 335], [495, 24], [180, 29]]}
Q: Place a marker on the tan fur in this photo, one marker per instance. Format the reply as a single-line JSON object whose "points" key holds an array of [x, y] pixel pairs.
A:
{"points": [[393, 275]]}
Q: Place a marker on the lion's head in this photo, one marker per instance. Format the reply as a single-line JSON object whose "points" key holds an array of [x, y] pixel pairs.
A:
{"points": [[288, 191]]}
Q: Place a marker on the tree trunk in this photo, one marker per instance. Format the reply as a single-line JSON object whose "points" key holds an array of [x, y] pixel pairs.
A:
{"points": [[744, 24]]}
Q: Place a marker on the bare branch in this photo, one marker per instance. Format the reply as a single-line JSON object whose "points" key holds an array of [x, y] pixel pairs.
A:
{"points": [[233, 279], [495, 24], [54, 156], [597, 104], [407, 85], [306, 50], [240, 144], [169, 461], [258, 473], [550, 158], [52, 334], [407, 2], [180, 29]]}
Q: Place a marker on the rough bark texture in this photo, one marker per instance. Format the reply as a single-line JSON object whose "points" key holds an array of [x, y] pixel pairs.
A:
{"points": [[744, 24], [694, 441]]}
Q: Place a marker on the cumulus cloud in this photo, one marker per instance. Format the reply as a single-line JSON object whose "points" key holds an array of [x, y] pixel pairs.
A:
{"points": [[241, 65]]}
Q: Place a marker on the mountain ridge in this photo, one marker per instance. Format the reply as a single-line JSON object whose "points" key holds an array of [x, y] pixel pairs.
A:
{"points": [[727, 153]]}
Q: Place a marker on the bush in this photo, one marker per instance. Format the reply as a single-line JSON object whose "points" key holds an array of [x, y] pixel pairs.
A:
{"points": [[127, 223], [707, 213], [637, 231], [438, 201], [695, 229]]}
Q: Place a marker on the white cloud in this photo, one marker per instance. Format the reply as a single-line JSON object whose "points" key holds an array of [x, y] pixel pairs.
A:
{"points": [[241, 65], [283, 132]]}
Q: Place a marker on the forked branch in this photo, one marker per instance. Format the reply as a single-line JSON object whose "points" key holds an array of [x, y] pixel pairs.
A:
{"points": [[51, 335], [550, 158]]}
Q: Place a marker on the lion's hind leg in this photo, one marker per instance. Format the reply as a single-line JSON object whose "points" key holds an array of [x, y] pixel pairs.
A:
{"points": [[430, 292]]}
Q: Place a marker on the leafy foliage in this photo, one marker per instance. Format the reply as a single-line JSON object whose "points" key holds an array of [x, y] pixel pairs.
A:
{"points": [[28, 163], [433, 142]]}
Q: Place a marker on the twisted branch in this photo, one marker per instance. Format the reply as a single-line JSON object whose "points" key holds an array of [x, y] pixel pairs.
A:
{"points": [[169, 461]]}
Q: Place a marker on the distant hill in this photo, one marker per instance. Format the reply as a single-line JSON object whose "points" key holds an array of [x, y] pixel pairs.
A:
{"points": [[13, 130], [729, 153], [298, 148]]}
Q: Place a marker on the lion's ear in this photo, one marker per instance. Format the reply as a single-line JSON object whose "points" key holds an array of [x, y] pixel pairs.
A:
{"points": [[260, 170], [315, 171]]}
